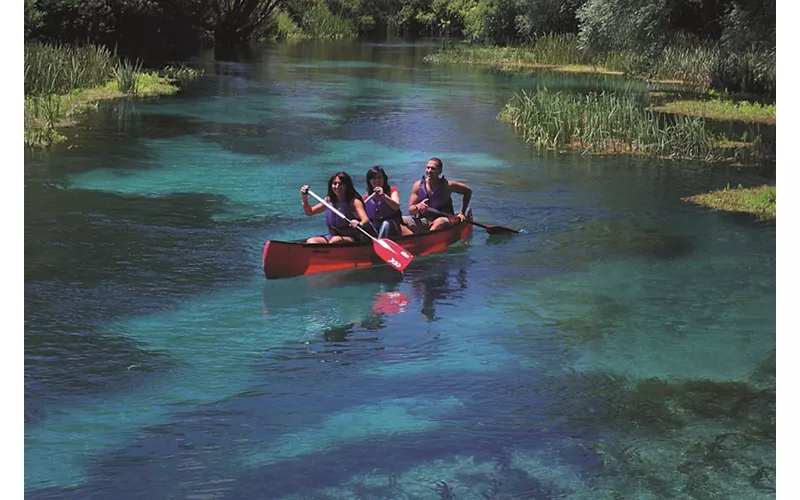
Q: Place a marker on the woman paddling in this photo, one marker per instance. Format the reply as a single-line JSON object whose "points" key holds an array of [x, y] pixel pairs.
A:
{"points": [[382, 203], [343, 196]]}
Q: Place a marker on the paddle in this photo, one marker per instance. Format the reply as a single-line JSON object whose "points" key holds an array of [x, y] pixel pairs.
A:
{"points": [[388, 250], [390, 302], [489, 229]]}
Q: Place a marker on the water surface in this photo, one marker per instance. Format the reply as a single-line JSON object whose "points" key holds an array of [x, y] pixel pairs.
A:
{"points": [[623, 343]]}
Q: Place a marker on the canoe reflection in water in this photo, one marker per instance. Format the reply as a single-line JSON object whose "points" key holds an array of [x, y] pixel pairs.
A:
{"points": [[425, 290], [436, 287], [338, 299]]}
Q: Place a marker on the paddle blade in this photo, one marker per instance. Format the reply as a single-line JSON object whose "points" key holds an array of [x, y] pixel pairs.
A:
{"points": [[394, 255], [500, 230], [390, 303]]}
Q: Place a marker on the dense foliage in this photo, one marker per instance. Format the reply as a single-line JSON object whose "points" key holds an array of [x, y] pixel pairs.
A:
{"points": [[740, 32]]}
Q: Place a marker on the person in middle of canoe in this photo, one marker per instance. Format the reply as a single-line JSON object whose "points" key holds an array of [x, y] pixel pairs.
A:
{"points": [[382, 203], [434, 191], [342, 195]]}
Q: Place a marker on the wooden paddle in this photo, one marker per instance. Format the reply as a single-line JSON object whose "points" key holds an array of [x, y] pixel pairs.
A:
{"points": [[489, 229], [394, 255]]}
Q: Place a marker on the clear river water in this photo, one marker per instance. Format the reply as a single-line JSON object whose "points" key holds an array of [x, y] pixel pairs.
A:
{"points": [[621, 346]]}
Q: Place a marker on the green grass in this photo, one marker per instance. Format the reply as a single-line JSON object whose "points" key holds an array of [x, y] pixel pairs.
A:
{"points": [[63, 82], [605, 124], [45, 114], [688, 62], [285, 27], [57, 69], [558, 52], [728, 110], [759, 201]]}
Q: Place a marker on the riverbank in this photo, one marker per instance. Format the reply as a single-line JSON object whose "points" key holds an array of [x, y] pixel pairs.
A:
{"points": [[62, 83], [758, 201], [670, 124], [47, 117]]}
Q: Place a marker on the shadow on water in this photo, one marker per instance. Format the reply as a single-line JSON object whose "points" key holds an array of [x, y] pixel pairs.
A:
{"points": [[626, 238], [68, 360], [485, 427], [94, 258], [126, 234], [566, 416]]}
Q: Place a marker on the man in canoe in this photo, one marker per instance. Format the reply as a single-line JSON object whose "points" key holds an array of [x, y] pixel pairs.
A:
{"points": [[382, 203], [342, 195], [434, 191]]}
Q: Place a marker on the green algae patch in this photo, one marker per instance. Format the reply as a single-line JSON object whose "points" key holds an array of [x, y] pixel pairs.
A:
{"points": [[758, 201]]}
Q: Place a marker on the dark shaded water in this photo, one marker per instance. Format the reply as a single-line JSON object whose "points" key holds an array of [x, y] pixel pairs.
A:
{"points": [[623, 343]]}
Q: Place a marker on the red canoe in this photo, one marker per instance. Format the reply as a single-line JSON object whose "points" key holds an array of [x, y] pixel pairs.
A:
{"points": [[286, 259]]}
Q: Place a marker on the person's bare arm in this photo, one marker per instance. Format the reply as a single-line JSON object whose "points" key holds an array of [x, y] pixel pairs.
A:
{"points": [[413, 199], [314, 210], [307, 208], [362, 214], [465, 192], [393, 200]]}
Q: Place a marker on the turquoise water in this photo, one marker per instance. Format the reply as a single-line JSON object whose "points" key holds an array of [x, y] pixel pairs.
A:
{"points": [[622, 344]]}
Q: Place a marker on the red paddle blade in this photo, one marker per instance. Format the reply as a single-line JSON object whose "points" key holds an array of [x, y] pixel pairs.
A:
{"points": [[390, 302], [394, 255]]}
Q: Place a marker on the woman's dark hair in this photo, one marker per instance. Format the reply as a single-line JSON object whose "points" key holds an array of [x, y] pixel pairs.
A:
{"points": [[349, 193], [372, 173]]}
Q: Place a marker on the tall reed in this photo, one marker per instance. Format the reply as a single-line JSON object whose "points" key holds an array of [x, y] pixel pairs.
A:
{"points": [[320, 22], [125, 74], [58, 69], [560, 49], [685, 59], [606, 123]]}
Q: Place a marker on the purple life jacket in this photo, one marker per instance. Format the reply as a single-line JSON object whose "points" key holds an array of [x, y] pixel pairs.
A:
{"points": [[379, 211], [338, 226], [438, 199]]}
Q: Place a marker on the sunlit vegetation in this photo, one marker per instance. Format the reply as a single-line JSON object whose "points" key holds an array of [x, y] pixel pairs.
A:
{"points": [[699, 65], [61, 82], [722, 109], [758, 201], [616, 124]]}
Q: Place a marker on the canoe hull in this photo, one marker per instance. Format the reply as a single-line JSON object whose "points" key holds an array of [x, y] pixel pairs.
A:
{"points": [[287, 259]]}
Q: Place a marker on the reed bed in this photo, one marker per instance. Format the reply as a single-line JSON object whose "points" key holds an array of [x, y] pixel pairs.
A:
{"points": [[691, 62], [125, 74], [320, 22], [560, 49], [610, 124], [62, 82], [546, 50], [58, 69]]}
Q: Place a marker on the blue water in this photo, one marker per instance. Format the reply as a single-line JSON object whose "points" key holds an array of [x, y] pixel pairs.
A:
{"points": [[622, 344]]}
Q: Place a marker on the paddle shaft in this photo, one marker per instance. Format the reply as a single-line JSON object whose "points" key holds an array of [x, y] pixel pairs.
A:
{"points": [[340, 214], [496, 229], [442, 214]]}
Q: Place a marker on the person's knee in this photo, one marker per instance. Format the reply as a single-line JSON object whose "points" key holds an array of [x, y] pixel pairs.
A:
{"points": [[440, 223]]}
